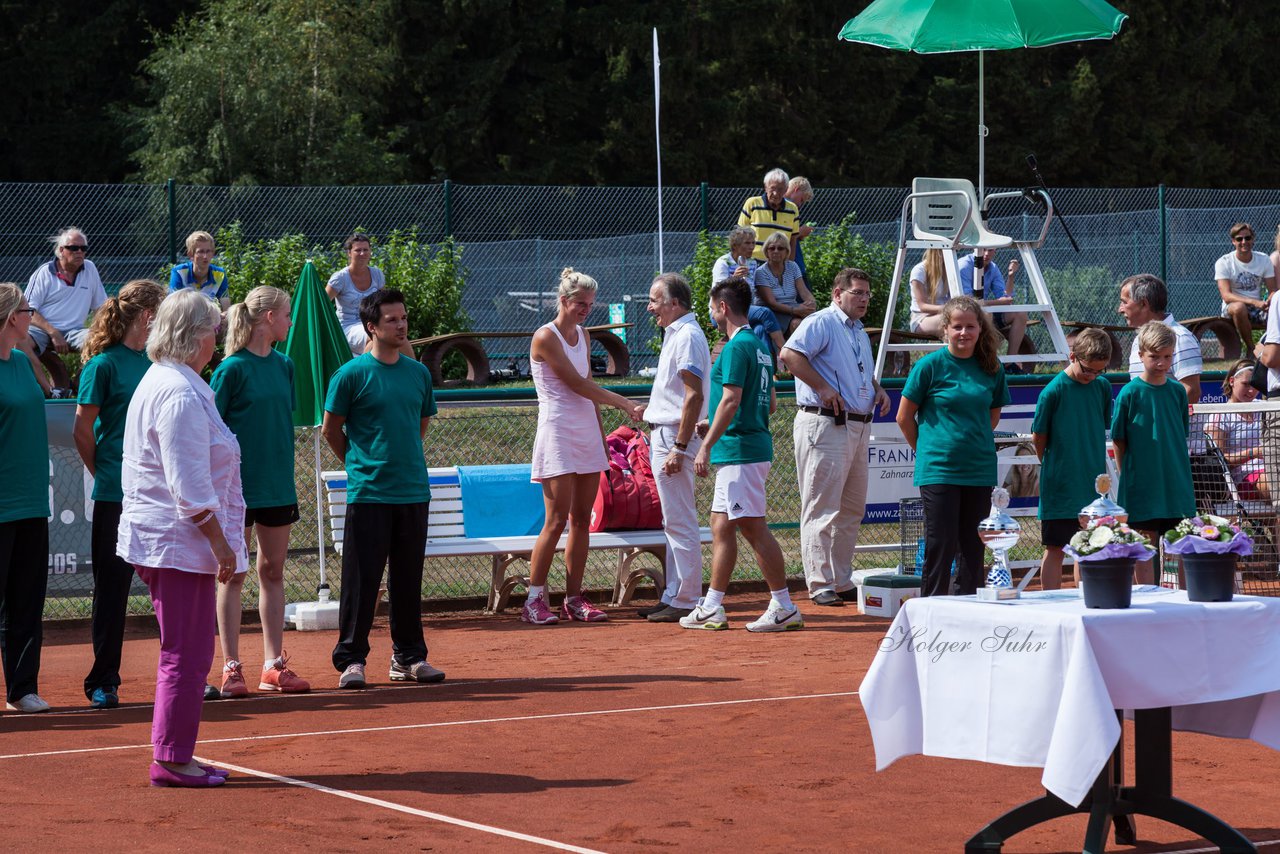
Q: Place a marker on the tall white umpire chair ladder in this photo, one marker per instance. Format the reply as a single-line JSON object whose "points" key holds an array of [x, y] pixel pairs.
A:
{"points": [[945, 215]]}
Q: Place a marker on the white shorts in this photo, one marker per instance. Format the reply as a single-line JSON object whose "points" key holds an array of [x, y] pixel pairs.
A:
{"points": [[356, 338], [740, 490]]}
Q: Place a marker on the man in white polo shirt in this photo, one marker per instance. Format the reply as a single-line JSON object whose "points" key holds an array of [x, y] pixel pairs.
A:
{"points": [[63, 293], [676, 405], [836, 397], [1143, 298]]}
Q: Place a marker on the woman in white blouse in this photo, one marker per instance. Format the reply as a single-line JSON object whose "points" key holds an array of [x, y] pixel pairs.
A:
{"points": [[182, 522]]}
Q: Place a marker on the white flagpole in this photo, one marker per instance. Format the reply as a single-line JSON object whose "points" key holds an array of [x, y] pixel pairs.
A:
{"points": [[657, 87]]}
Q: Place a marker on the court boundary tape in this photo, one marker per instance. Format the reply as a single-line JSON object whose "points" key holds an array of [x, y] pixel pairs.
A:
{"points": [[439, 724], [392, 805]]}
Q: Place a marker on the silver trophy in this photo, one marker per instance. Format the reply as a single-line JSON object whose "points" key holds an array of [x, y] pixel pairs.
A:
{"points": [[1102, 505], [999, 532]]}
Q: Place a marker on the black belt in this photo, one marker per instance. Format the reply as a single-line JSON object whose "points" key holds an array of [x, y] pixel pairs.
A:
{"points": [[841, 418]]}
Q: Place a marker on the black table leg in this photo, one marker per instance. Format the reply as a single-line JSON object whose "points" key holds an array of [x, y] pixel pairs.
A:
{"points": [[1109, 801]]}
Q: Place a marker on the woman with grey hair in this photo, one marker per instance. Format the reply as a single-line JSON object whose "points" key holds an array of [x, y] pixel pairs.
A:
{"points": [[779, 286], [182, 522], [24, 506], [737, 262]]}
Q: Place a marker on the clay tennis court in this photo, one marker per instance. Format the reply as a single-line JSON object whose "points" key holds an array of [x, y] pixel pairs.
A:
{"points": [[619, 737]]}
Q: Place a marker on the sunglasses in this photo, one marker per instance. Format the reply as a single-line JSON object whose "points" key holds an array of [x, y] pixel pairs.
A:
{"points": [[1242, 238], [75, 247], [28, 310]]}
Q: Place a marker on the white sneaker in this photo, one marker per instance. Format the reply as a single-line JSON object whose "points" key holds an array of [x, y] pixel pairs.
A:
{"points": [[701, 618], [777, 619], [352, 677], [31, 704], [417, 672]]}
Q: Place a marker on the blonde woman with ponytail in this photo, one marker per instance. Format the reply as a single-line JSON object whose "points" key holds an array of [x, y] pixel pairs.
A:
{"points": [[115, 362], [253, 390]]}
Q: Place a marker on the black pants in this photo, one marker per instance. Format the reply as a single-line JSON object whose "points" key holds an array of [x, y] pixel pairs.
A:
{"points": [[951, 517], [24, 576], [377, 536], [112, 578]]}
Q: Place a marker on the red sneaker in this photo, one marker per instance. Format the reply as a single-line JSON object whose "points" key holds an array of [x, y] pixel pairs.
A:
{"points": [[276, 676], [233, 684], [578, 608]]}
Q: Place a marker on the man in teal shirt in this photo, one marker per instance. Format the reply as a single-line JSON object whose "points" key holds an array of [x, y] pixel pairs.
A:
{"points": [[739, 442], [384, 401]]}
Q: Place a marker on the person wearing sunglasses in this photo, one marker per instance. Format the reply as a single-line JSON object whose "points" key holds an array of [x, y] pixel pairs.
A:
{"points": [[1241, 274], [63, 292]]}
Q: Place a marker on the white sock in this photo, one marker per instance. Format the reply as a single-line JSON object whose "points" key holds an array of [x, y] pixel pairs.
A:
{"points": [[783, 598], [272, 664], [714, 599], [536, 591]]}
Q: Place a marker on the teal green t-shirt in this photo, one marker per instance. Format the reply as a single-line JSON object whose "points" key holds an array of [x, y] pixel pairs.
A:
{"points": [[1074, 418], [1155, 474], [255, 396], [744, 362], [24, 465], [955, 397], [108, 382], [384, 406]]}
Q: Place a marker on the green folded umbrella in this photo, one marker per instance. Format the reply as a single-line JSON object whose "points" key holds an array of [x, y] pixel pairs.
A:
{"points": [[947, 26], [318, 348], [315, 344]]}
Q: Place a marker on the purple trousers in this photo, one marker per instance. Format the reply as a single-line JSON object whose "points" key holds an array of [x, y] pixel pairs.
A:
{"points": [[185, 604]]}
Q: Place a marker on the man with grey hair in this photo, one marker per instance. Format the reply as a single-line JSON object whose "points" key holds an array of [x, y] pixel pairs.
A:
{"points": [[676, 405], [1144, 297], [771, 213], [63, 293]]}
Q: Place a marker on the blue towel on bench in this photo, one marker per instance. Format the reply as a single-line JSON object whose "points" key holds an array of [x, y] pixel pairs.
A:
{"points": [[499, 501]]}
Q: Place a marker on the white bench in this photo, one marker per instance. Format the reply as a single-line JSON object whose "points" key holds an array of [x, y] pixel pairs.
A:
{"points": [[445, 538]]}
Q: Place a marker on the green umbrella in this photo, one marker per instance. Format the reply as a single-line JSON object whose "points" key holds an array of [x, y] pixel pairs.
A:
{"points": [[318, 348], [947, 26], [315, 344]]}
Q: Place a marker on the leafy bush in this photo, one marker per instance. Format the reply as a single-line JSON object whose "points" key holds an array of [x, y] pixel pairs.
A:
{"points": [[698, 275], [830, 250], [431, 276]]}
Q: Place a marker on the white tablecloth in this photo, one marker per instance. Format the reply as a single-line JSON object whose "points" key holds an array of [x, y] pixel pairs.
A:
{"points": [[1035, 681]]}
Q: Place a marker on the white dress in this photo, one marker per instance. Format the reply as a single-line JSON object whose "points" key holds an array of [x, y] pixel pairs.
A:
{"points": [[568, 440]]}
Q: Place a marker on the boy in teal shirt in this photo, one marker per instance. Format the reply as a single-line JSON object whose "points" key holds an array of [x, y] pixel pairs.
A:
{"points": [[384, 401], [1069, 432], [739, 442], [1149, 431]]}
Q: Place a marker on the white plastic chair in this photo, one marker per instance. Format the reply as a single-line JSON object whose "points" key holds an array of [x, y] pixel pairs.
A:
{"points": [[953, 217]]}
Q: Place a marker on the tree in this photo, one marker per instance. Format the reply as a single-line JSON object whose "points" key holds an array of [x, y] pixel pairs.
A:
{"points": [[260, 92]]}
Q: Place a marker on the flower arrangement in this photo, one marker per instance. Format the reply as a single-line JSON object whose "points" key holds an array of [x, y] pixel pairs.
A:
{"points": [[1107, 538], [1209, 534]]}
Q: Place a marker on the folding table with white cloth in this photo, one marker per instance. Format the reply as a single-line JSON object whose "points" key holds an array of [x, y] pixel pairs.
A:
{"points": [[1039, 681]]}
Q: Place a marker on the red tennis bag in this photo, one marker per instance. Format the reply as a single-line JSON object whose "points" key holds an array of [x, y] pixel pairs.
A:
{"points": [[628, 496]]}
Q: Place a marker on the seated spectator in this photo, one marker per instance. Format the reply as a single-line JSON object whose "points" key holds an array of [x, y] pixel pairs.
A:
{"points": [[63, 293], [771, 213], [1239, 435], [738, 263], [995, 290], [198, 273], [800, 193], [779, 286], [1240, 275], [929, 293]]}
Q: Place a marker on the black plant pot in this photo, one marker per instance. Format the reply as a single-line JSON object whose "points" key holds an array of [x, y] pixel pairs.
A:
{"points": [[1107, 583], [1210, 577]]}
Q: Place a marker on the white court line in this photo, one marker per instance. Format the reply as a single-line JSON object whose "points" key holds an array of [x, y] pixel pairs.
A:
{"points": [[377, 802], [437, 724], [1216, 848]]}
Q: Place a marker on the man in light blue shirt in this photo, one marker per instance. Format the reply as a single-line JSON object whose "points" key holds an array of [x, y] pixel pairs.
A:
{"points": [[996, 291], [836, 397]]}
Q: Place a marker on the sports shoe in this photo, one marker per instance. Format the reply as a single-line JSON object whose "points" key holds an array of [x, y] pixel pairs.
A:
{"points": [[700, 618], [538, 613], [211, 693], [352, 677], [276, 676], [419, 671], [652, 609], [669, 614], [777, 619], [578, 608], [104, 698], [233, 684], [29, 703]]}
